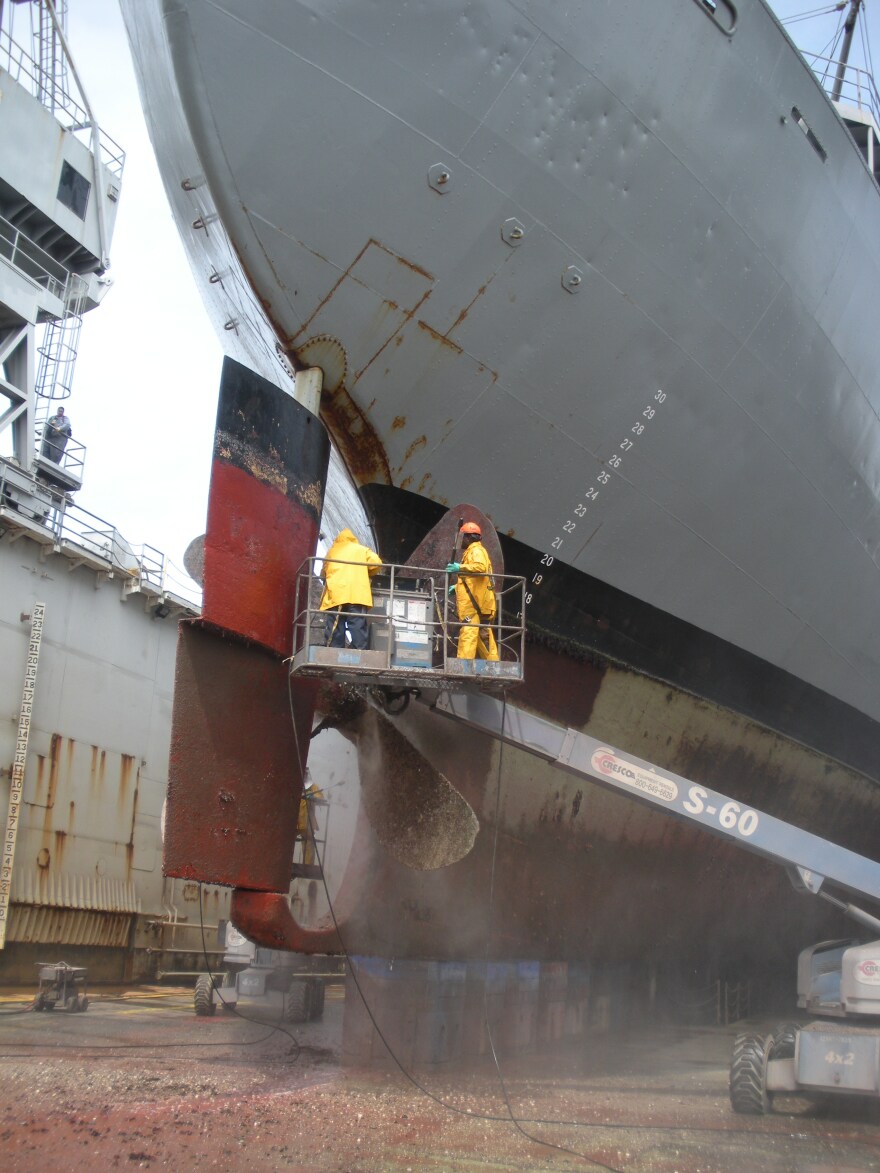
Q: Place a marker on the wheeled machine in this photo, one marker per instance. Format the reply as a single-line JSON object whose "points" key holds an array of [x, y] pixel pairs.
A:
{"points": [[270, 976], [837, 1054], [61, 986]]}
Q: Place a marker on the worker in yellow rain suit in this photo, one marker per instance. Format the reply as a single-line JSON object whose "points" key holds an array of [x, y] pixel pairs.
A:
{"points": [[474, 597], [306, 821], [348, 568]]}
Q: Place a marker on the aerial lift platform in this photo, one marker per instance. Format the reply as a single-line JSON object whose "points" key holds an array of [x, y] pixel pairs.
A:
{"points": [[413, 632]]}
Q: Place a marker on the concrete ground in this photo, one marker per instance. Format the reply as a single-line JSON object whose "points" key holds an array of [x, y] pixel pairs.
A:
{"points": [[138, 1082]]}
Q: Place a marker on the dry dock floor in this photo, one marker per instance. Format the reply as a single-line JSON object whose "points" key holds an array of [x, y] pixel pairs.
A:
{"points": [[138, 1082]]}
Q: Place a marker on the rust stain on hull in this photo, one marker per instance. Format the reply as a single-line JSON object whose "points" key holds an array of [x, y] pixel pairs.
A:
{"points": [[125, 765], [355, 438], [54, 755], [419, 442], [357, 441], [467, 309], [362, 450], [348, 273], [441, 339], [248, 456], [95, 779], [60, 844]]}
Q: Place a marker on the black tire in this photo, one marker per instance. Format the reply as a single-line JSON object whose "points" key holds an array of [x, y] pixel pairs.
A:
{"points": [[39, 1003], [82, 1003], [748, 1075], [202, 999], [784, 1038], [71, 1005], [298, 1000], [317, 1008]]}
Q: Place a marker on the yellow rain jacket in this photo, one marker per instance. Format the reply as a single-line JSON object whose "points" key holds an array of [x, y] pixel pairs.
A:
{"points": [[479, 581], [348, 584]]}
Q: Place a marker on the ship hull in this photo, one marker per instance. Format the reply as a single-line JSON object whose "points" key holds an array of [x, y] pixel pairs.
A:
{"points": [[589, 272], [723, 263]]}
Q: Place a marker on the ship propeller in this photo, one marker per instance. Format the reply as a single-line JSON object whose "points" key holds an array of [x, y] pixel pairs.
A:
{"points": [[416, 813]]}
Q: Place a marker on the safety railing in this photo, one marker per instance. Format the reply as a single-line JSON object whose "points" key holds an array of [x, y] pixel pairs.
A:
{"points": [[857, 85], [46, 511], [67, 454], [34, 262], [157, 573], [54, 94], [412, 631]]}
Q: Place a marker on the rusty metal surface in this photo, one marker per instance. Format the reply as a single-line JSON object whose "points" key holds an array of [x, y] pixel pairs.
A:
{"points": [[88, 866], [439, 545], [70, 890], [356, 439], [240, 727], [267, 490], [265, 917], [69, 927], [234, 781]]}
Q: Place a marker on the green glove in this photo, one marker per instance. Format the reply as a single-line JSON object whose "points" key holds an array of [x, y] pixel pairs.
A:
{"points": [[453, 568]]}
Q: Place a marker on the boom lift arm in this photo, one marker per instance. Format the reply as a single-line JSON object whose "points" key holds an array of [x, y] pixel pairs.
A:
{"points": [[809, 859]]}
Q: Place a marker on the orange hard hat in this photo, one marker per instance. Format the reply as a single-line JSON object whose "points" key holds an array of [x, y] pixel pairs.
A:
{"points": [[470, 527]]}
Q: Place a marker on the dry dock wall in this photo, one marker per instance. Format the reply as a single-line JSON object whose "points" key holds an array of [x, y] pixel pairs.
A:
{"points": [[87, 871]]}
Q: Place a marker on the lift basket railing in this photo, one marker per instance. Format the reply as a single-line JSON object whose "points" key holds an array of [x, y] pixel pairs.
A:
{"points": [[413, 628]]}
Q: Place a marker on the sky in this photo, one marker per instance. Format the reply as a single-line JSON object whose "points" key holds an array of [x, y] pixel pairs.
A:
{"points": [[148, 368]]}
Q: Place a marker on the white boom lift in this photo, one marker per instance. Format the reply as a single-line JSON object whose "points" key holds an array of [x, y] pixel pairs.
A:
{"points": [[839, 980]]}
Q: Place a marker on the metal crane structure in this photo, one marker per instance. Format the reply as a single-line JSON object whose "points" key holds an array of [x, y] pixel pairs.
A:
{"points": [[59, 186]]}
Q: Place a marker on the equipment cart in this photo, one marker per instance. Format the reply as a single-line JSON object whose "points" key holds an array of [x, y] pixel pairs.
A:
{"points": [[61, 985]]}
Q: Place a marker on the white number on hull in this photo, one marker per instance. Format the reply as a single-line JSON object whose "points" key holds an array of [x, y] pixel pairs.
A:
{"points": [[592, 493]]}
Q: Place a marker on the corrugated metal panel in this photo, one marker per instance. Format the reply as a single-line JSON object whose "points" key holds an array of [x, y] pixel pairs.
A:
{"points": [[64, 890], [54, 926]]}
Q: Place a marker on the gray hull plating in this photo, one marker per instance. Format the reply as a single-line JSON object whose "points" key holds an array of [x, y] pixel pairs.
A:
{"points": [[722, 258]]}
